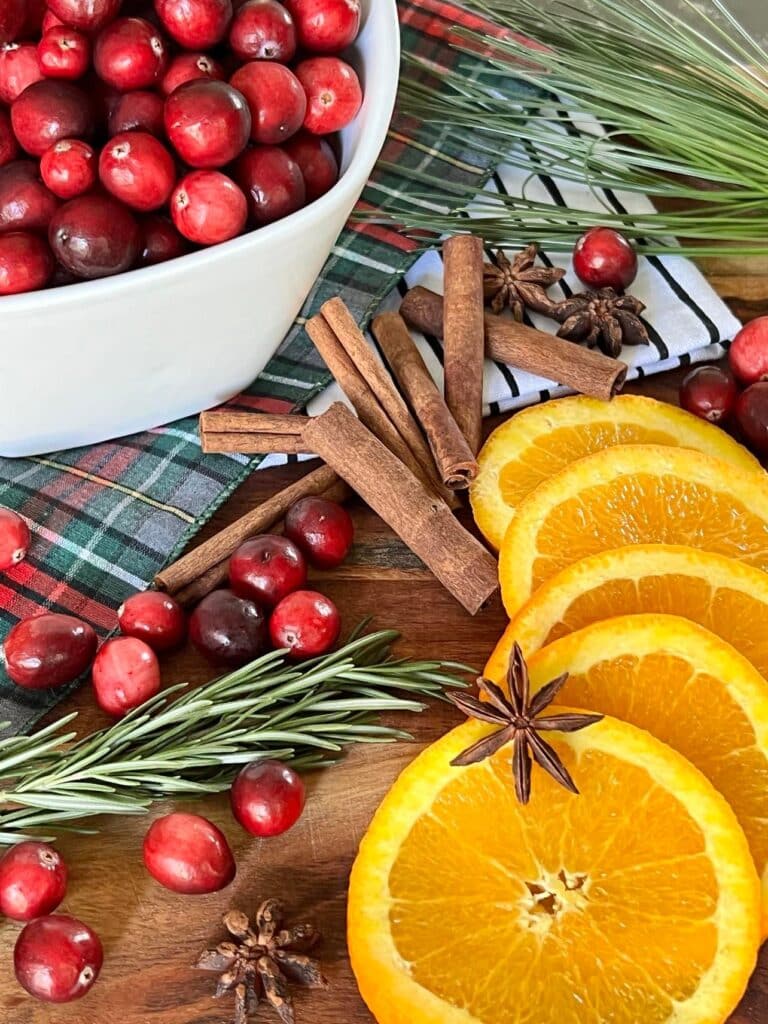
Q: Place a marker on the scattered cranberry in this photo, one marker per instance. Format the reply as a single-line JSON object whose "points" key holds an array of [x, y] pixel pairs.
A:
{"points": [[138, 111], [267, 798], [748, 355], [15, 536], [49, 111], [263, 30], [752, 416], [25, 203], [187, 67], [33, 21], [95, 236], [49, 650], [272, 181], [126, 673], [195, 24], [161, 241], [334, 96], [33, 881], [64, 52], [603, 258], [26, 263], [266, 569], [228, 630], [50, 20], [305, 623], [276, 100], [9, 148], [317, 163], [189, 854], [708, 392], [12, 15], [325, 26], [57, 958], [138, 170], [322, 529], [68, 168], [155, 618], [207, 207], [208, 122], [88, 15], [19, 67], [129, 54]]}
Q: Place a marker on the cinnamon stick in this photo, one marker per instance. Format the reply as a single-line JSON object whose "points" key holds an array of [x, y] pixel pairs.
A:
{"points": [[253, 444], [454, 458], [463, 334], [423, 522], [581, 369], [236, 421]]}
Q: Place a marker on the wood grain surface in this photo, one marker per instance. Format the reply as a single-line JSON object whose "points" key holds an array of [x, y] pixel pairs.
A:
{"points": [[151, 936]]}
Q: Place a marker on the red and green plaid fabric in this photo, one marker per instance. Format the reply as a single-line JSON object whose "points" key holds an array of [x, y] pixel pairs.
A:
{"points": [[107, 518]]}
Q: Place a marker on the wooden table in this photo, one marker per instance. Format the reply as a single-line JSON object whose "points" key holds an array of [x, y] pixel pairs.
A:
{"points": [[151, 936]]}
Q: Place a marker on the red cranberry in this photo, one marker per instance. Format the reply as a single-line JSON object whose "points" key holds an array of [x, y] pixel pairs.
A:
{"points": [[33, 20], [9, 148], [708, 392], [189, 854], [139, 111], [208, 122], [68, 168], [126, 673], [207, 207], [50, 20], [195, 24], [57, 958], [229, 631], [266, 569], [305, 623], [161, 241], [26, 263], [95, 236], [272, 182], [187, 67], [12, 15], [51, 110], [752, 416], [325, 26], [603, 258], [263, 30], [129, 54], [317, 162], [49, 650], [64, 52], [138, 170], [334, 96], [15, 536], [322, 529], [748, 355], [19, 67], [33, 881], [25, 203], [276, 100], [88, 15], [155, 618], [267, 798]]}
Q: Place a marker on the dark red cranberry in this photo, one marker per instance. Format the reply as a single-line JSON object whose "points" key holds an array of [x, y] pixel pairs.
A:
{"points": [[26, 263], [603, 258], [57, 958], [125, 673], [305, 623], [161, 240], [322, 529], [25, 203], [266, 569], [334, 96], [708, 392], [752, 416], [139, 111], [88, 15], [33, 21], [189, 854], [63, 52], [155, 618], [208, 122], [129, 54], [195, 24], [103, 96], [19, 67], [51, 110], [276, 100], [9, 148], [272, 182], [138, 170], [317, 162], [267, 798], [263, 30], [325, 26], [95, 236], [748, 355], [12, 16], [228, 630], [15, 536], [68, 168], [33, 881], [187, 67], [49, 650], [207, 207], [50, 20]]}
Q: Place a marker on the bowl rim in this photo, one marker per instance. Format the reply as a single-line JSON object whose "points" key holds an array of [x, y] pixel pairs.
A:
{"points": [[381, 97]]}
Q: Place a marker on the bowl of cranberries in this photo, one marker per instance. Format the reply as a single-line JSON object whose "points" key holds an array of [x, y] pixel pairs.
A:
{"points": [[173, 175]]}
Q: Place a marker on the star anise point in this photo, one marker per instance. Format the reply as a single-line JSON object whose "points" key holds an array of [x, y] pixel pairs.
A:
{"points": [[518, 283], [602, 318]]}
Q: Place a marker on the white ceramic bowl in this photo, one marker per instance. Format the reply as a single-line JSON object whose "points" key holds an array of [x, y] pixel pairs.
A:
{"points": [[101, 359]]}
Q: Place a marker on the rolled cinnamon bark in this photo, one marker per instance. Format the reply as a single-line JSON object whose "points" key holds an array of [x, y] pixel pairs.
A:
{"points": [[463, 334], [236, 421], [454, 459], [581, 369], [253, 444]]}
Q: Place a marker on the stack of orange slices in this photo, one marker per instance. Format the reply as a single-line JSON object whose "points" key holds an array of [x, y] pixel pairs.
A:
{"points": [[633, 555]]}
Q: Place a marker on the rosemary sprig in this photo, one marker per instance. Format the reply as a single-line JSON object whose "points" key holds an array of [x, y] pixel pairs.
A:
{"points": [[185, 742]]}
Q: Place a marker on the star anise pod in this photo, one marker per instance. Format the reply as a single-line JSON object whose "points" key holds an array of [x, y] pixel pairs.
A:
{"points": [[519, 284], [261, 961], [603, 318], [518, 716]]}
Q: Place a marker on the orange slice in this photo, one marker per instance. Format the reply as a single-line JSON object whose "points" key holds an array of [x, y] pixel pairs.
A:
{"points": [[633, 494], [636, 901], [539, 442]]}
